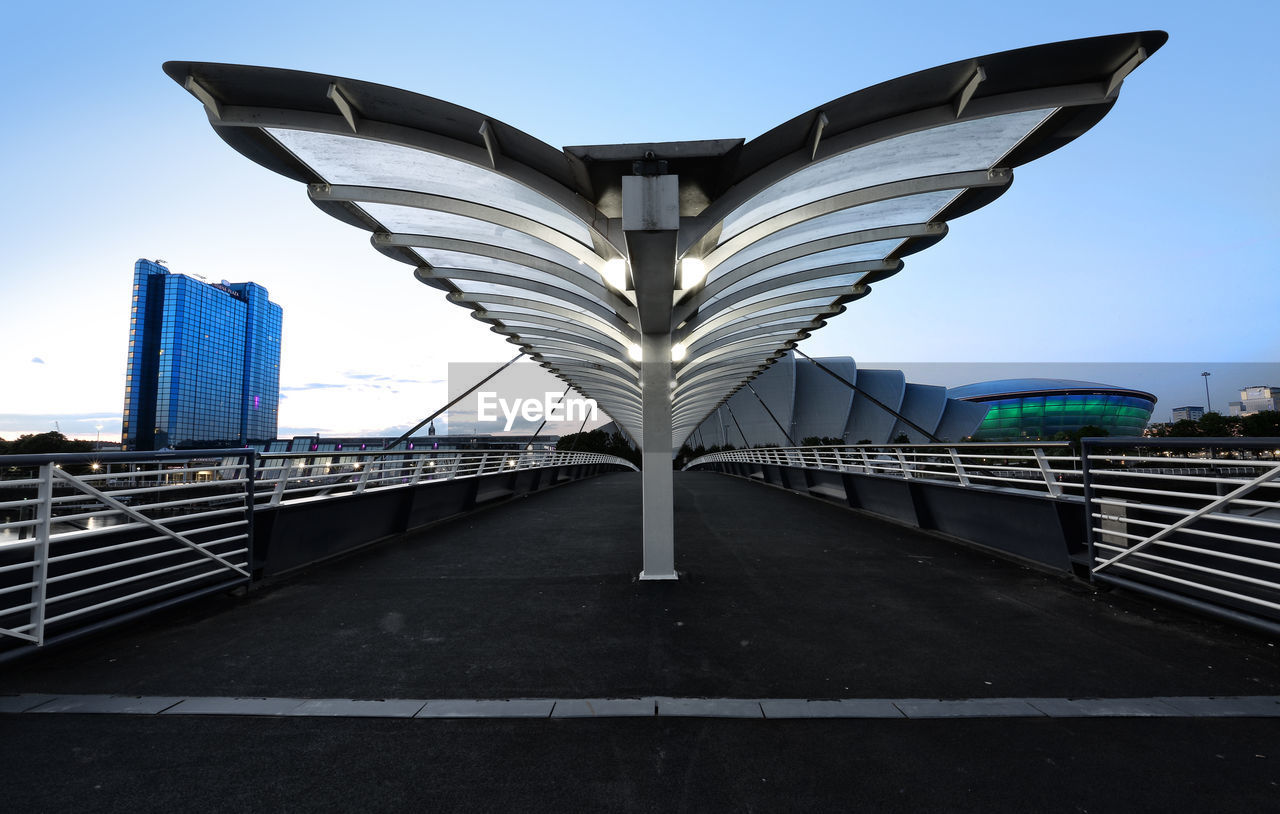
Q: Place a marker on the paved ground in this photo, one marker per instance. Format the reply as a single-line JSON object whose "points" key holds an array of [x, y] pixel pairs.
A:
{"points": [[782, 597]]}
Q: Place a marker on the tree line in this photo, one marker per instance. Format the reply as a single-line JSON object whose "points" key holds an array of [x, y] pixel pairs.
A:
{"points": [[1263, 424], [43, 443], [605, 443]]}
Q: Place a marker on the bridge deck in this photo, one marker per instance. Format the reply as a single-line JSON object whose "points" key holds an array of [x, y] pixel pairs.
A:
{"points": [[781, 597]]}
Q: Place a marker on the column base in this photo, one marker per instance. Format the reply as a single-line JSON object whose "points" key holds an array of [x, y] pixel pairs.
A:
{"points": [[645, 576]]}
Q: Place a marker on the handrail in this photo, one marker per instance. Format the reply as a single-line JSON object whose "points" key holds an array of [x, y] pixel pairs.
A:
{"points": [[975, 465], [1210, 540], [89, 535]]}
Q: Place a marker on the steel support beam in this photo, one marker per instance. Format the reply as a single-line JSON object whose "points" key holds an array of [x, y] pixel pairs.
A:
{"points": [[650, 222], [656, 477]]}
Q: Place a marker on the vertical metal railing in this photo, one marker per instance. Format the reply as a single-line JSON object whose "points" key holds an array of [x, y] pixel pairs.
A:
{"points": [[320, 475], [87, 538], [1193, 521], [1048, 468]]}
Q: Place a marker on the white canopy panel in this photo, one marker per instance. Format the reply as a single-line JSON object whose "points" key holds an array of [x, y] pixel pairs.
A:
{"points": [[775, 236]]}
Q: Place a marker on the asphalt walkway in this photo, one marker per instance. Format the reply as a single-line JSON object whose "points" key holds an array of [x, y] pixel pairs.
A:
{"points": [[781, 597]]}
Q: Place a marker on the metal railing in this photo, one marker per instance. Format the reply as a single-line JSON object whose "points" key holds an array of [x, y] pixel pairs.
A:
{"points": [[85, 537], [1194, 520], [1048, 468], [290, 477]]}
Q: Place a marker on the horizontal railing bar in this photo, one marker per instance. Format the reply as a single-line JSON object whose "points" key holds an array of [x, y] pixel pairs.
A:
{"points": [[163, 522], [8, 589], [159, 538], [20, 629], [1240, 501], [1204, 569], [123, 457], [23, 503], [1141, 538], [1240, 519], [1226, 555], [1199, 586], [158, 555], [1134, 490], [1129, 473], [17, 566], [1189, 530], [122, 600], [55, 598], [19, 524]]}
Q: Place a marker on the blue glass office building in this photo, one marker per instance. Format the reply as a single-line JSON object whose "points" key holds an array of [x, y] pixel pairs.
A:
{"points": [[204, 362]]}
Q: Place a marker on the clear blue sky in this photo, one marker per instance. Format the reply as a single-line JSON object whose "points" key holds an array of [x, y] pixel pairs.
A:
{"points": [[1153, 238]]}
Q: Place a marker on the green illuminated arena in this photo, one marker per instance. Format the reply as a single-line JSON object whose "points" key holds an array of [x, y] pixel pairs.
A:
{"points": [[1039, 409]]}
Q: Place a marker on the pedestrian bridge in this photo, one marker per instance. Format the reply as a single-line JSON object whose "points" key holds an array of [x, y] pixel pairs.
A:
{"points": [[809, 657]]}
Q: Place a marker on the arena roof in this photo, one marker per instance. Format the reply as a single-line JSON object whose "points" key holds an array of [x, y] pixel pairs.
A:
{"points": [[1012, 388]]}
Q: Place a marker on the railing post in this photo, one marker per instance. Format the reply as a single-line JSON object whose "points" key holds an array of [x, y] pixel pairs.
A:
{"points": [[40, 553], [902, 461], [956, 462], [417, 470], [282, 477], [1055, 490], [250, 495], [363, 483], [1086, 476]]}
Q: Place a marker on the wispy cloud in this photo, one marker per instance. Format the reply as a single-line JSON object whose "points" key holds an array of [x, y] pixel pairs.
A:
{"points": [[289, 432], [71, 424], [37, 360], [382, 377]]}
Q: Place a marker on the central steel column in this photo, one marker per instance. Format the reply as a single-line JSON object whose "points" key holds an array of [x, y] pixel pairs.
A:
{"points": [[656, 477], [650, 222]]}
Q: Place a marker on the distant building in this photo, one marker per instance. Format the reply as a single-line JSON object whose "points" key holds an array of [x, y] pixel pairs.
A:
{"points": [[1188, 413], [1039, 409], [1255, 400], [204, 362]]}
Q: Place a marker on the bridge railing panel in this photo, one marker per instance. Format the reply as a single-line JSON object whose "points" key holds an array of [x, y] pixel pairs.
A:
{"points": [[84, 537], [89, 538], [291, 477], [1195, 521], [1049, 468]]}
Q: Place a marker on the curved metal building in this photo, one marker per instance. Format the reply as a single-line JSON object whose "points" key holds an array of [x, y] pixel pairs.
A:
{"points": [[659, 279], [1030, 409], [797, 399]]}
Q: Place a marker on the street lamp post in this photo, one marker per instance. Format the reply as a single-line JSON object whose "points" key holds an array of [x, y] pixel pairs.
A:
{"points": [[1208, 405]]}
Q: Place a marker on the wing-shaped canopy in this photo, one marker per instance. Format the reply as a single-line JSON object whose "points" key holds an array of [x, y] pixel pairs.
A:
{"points": [[775, 236]]}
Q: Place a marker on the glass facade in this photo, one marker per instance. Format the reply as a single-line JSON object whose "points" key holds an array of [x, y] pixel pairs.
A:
{"points": [[204, 362], [1042, 416]]}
